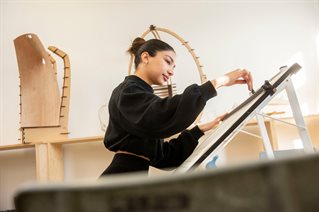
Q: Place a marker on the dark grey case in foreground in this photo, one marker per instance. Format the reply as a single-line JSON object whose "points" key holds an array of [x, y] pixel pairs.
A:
{"points": [[289, 185]]}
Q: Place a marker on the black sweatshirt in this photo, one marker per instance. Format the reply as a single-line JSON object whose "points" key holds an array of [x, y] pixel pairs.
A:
{"points": [[139, 121]]}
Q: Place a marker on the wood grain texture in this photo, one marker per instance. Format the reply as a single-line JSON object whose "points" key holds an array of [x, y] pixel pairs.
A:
{"points": [[40, 98]]}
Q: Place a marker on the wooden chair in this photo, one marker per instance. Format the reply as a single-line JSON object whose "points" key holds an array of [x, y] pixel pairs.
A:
{"points": [[43, 111]]}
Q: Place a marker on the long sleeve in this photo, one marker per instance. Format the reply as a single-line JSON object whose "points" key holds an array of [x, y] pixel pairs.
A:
{"points": [[177, 150], [139, 121], [146, 115]]}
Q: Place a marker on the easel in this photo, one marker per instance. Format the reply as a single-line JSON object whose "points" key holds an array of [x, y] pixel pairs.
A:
{"points": [[297, 115], [249, 109]]}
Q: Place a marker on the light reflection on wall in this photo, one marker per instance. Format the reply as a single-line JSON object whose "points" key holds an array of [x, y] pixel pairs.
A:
{"points": [[281, 103], [299, 79], [317, 67], [304, 109], [297, 143]]}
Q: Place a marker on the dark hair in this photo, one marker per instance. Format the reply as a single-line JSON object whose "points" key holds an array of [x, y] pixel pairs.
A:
{"points": [[151, 46]]}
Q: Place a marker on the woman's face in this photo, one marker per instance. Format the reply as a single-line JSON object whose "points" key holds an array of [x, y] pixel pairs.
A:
{"points": [[160, 67]]}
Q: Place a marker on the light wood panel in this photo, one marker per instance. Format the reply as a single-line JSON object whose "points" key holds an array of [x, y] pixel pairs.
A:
{"points": [[40, 98], [49, 162], [44, 113], [42, 134]]}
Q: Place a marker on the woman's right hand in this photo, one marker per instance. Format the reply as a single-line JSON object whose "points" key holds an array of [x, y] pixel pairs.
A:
{"points": [[238, 76]]}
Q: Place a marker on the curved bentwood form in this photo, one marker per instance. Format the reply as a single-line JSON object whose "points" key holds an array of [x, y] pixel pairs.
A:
{"points": [[43, 111], [40, 98], [211, 143]]}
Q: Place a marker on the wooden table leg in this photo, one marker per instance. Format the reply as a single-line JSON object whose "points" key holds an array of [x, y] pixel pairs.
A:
{"points": [[49, 162]]}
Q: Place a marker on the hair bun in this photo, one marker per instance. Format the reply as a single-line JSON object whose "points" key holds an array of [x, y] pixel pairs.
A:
{"points": [[136, 44]]}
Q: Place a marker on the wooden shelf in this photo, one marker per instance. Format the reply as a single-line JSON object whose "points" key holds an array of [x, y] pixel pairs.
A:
{"points": [[49, 156], [16, 146], [78, 140], [62, 141]]}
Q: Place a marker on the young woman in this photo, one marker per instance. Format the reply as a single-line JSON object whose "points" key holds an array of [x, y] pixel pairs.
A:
{"points": [[139, 120]]}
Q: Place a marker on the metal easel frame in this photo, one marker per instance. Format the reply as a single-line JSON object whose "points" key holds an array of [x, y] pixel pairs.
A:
{"points": [[299, 120], [238, 117]]}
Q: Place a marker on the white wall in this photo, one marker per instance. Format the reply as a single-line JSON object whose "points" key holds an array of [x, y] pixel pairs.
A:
{"points": [[258, 35]]}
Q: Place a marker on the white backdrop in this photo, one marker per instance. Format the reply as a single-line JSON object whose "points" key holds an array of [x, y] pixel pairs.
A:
{"points": [[258, 35]]}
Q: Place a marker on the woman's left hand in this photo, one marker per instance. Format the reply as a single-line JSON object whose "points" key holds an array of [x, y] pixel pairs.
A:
{"points": [[210, 125]]}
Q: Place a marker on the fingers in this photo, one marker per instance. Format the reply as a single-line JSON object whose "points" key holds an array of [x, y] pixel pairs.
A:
{"points": [[212, 124], [249, 80], [244, 77], [221, 118], [240, 82]]}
